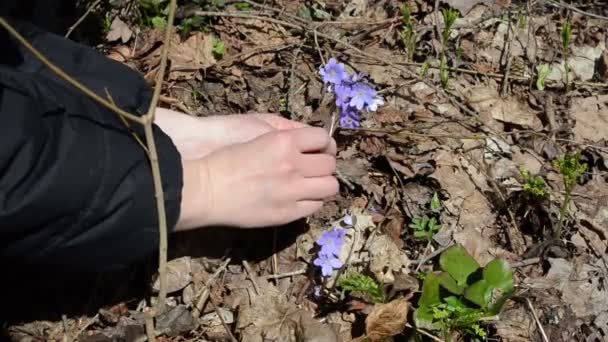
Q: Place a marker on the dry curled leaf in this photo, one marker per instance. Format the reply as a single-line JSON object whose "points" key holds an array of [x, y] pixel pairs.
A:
{"points": [[119, 30], [179, 274], [188, 57], [387, 320]]}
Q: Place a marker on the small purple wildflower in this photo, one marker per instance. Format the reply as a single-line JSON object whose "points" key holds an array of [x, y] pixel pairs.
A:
{"points": [[331, 242], [333, 72], [353, 93], [328, 264], [349, 119], [361, 95]]}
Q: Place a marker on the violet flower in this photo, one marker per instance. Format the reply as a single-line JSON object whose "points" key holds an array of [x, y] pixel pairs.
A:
{"points": [[333, 72], [331, 243], [353, 93]]}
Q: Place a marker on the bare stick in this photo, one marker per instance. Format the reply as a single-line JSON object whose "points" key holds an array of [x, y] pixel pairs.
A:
{"points": [[221, 317], [204, 293], [538, 323], [252, 277], [285, 275], [81, 19]]}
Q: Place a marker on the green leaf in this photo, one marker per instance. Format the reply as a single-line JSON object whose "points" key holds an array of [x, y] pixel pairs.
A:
{"points": [[430, 290], [498, 274], [450, 284], [435, 202], [423, 318], [421, 234], [494, 289], [458, 263], [479, 293], [218, 48], [159, 23]]}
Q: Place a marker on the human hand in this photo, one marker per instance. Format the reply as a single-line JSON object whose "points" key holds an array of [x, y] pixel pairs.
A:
{"points": [[274, 179], [195, 137]]}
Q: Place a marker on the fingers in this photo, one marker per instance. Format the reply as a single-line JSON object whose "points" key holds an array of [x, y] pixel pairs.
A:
{"points": [[307, 208], [316, 165], [317, 188], [279, 122], [311, 139]]}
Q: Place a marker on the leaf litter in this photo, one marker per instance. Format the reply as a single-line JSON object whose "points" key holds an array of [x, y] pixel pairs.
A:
{"points": [[464, 148]]}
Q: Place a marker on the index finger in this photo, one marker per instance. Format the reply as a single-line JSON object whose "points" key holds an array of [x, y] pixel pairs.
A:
{"points": [[312, 139]]}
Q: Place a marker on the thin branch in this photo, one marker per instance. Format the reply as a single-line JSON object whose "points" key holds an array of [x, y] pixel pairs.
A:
{"points": [[153, 155], [81, 19], [65, 76], [538, 323], [574, 9]]}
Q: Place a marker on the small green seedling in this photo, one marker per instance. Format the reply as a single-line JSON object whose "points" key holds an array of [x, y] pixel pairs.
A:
{"points": [[408, 33], [571, 168], [449, 18], [357, 282], [543, 71], [566, 39], [534, 186], [425, 227], [424, 69], [242, 6], [435, 203], [462, 293], [218, 48]]}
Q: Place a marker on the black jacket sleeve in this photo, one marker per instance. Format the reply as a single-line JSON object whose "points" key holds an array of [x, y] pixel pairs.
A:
{"points": [[75, 187]]}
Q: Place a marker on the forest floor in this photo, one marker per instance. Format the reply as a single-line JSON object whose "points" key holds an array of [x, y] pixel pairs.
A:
{"points": [[495, 151]]}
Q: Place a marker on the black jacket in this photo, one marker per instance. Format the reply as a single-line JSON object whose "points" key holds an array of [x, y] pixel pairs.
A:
{"points": [[75, 187]]}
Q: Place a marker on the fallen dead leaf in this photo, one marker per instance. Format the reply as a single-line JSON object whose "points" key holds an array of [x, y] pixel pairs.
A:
{"points": [[119, 30], [464, 6], [387, 320], [386, 258], [190, 56], [591, 115], [579, 286], [516, 325], [179, 274], [311, 330], [504, 109]]}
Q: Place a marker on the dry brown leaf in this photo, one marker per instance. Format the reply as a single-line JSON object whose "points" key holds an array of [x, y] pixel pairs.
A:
{"points": [[591, 115], [386, 259], [504, 109], [516, 325], [310, 330], [188, 57], [119, 30], [475, 210], [387, 320], [464, 6], [179, 274]]}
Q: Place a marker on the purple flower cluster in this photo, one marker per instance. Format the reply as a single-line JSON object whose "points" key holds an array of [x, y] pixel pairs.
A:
{"points": [[353, 94], [331, 242]]}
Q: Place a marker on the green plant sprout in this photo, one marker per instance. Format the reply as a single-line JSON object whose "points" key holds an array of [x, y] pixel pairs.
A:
{"points": [[543, 71], [449, 18], [424, 69], [361, 283], [408, 33], [566, 39], [219, 48], [425, 227], [154, 13], [571, 169], [435, 203], [462, 294], [534, 186]]}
